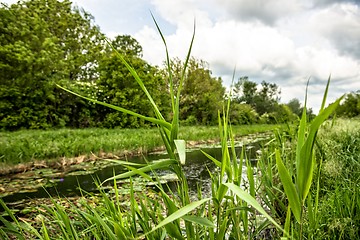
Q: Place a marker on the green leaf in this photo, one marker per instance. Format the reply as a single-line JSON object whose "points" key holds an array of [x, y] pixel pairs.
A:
{"points": [[157, 165], [178, 214], [251, 201], [217, 163], [289, 187], [199, 220], [120, 109], [181, 149], [306, 165], [287, 221]]}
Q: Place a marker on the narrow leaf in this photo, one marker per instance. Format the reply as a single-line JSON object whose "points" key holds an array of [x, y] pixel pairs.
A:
{"points": [[251, 201], [181, 149], [178, 214], [199, 220], [289, 187], [120, 109], [150, 167]]}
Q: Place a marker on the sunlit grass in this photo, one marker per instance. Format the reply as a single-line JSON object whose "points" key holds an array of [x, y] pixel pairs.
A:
{"points": [[29, 145]]}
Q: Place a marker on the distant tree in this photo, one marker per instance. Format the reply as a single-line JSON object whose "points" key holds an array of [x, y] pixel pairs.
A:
{"points": [[295, 106], [262, 98], [245, 91], [350, 107], [243, 114], [127, 46]]}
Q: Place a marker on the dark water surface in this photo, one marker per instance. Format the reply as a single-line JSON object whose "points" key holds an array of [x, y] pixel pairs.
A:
{"points": [[196, 169]]}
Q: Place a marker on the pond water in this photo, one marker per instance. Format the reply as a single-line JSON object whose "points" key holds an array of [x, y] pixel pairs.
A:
{"points": [[196, 169]]}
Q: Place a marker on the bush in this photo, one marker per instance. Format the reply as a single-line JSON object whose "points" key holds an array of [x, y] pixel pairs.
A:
{"points": [[243, 114]]}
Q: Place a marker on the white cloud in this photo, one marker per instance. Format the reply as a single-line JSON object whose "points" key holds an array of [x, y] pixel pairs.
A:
{"points": [[340, 24], [266, 11], [182, 13]]}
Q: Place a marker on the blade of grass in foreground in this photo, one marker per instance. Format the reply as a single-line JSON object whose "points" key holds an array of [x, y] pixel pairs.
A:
{"points": [[120, 109], [306, 163], [289, 187], [157, 165], [251, 201], [179, 214]]}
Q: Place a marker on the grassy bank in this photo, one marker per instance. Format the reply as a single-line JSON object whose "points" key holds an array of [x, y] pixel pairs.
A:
{"points": [[333, 204], [29, 145]]}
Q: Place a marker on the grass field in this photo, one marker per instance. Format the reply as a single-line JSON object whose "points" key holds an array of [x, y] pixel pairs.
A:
{"points": [[28, 145]]}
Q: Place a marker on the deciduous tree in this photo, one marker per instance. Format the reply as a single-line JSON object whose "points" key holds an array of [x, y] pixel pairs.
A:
{"points": [[43, 42]]}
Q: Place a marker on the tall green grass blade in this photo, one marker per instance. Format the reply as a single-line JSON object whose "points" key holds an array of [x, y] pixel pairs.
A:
{"points": [[289, 187], [306, 166], [252, 202], [175, 122], [325, 94], [287, 221], [199, 220], [301, 132], [140, 83], [154, 166], [178, 214], [171, 83], [250, 176], [217, 163], [223, 226], [14, 227], [150, 119]]}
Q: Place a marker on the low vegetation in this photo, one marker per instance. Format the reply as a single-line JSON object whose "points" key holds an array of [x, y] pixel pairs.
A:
{"points": [[30, 145]]}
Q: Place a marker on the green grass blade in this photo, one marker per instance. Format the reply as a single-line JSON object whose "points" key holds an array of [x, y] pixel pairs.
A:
{"points": [[250, 176], [162, 123], [251, 201], [301, 132], [178, 214], [306, 166], [287, 221], [217, 163], [121, 162], [289, 187], [158, 165], [167, 63], [140, 83], [199, 220], [325, 94]]}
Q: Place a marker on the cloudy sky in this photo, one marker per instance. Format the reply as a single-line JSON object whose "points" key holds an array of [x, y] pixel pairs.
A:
{"points": [[279, 41]]}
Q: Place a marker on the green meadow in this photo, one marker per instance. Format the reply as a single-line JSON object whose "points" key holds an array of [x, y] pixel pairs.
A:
{"points": [[31, 145]]}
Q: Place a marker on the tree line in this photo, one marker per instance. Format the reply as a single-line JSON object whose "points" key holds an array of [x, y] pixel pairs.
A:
{"points": [[44, 42]]}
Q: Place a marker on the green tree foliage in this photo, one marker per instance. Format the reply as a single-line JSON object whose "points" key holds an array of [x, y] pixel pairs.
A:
{"points": [[43, 42], [280, 114], [295, 106], [202, 94], [350, 107], [243, 114], [263, 98], [118, 87]]}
